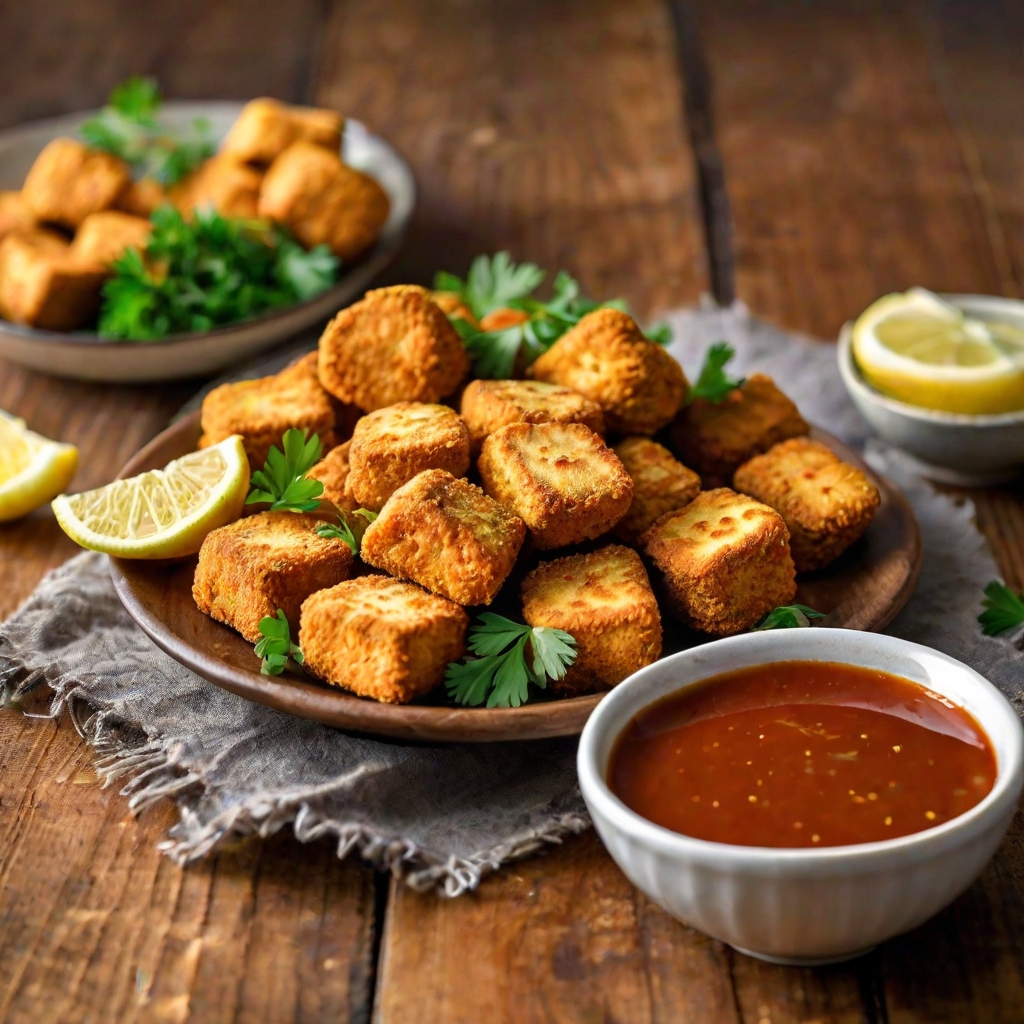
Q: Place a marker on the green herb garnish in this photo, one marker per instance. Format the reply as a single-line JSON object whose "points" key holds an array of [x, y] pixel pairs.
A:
{"points": [[128, 127], [350, 527], [509, 656], [714, 383], [660, 334], [210, 271], [282, 481], [1004, 610], [788, 616], [276, 647], [492, 282]]}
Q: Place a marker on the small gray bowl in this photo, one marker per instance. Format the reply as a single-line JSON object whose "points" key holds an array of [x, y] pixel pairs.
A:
{"points": [[974, 451]]}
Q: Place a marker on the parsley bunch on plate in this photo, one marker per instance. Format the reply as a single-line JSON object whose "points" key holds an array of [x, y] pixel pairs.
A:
{"points": [[282, 482], [200, 274], [714, 383]]}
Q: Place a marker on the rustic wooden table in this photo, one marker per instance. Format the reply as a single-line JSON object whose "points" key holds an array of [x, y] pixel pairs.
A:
{"points": [[804, 157]]}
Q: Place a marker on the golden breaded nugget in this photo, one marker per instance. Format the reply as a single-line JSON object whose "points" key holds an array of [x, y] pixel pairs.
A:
{"points": [[660, 484], [224, 183], [502, 318], [488, 405], [826, 503], [447, 535], [607, 358], [332, 471], [395, 345], [454, 307], [43, 285], [605, 601], [15, 214], [68, 181], [322, 201], [394, 444], [560, 478], [715, 439], [262, 410], [725, 561], [256, 565], [267, 127], [141, 198], [105, 237], [380, 638]]}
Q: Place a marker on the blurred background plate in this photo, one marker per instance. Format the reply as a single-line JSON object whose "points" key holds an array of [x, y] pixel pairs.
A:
{"points": [[85, 356]]}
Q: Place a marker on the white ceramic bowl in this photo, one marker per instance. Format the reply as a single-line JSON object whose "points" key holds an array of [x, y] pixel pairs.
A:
{"points": [[804, 906], [954, 448]]}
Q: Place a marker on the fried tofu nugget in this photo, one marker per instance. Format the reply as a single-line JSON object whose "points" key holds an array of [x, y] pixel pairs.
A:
{"points": [[489, 405], [105, 237], [826, 503], [560, 478], [380, 638], [262, 410], [605, 601], [266, 127], [43, 285], [256, 565], [447, 535], [332, 471], [15, 214], [392, 445], [223, 182], [395, 345], [322, 201], [724, 559], [68, 181], [715, 439], [660, 484], [141, 198], [607, 358]]}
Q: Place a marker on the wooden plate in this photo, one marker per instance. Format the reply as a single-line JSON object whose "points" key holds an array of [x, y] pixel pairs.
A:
{"points": [[862, 590]]}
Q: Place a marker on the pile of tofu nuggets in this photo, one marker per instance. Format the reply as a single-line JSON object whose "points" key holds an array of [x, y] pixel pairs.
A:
{"points": [[476, 484], [79, 209]]}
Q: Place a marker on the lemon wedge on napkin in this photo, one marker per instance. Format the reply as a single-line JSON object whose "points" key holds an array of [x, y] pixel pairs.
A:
{"points": [[917, 348], [163, 513], [32, 468]]}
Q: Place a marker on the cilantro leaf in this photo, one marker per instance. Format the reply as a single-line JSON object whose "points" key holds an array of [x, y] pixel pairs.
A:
{"points": [[137, 99], [788, 616], [1004, 610], [660, 334], [283, 481], [492, 282], [275, 646], [714, 383], [350, 530], [501, 672]]}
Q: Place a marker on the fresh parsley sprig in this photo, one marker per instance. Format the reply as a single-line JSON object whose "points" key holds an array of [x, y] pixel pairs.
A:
{"points": [[1004, 610], [788, 616], [276, 647], [714, 383], [282, 481], [509, 656], [350, 527], [492, 282]]}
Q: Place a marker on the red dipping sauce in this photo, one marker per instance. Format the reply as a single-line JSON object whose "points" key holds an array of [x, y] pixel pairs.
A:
{"points": [[802, 753]]}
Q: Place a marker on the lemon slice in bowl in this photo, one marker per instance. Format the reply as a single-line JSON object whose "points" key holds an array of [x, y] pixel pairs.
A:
{"points": [[32, 468], [917, 348], [163, 513]]}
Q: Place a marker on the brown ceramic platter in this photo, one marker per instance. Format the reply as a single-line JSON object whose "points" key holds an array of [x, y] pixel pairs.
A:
{"points": [[864, 589]]}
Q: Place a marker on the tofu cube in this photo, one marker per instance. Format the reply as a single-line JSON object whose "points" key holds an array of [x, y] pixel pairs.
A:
{"points": [[606, 357], [262, 410], [224, 183], [380, 638], [104, 237], [660, 484], [392, 445], [266, 127], [716, 439], [488, 405], [605, 601], [724, 559], [68, 181], [15, 214], [446, 535], [44, 286], [322, 201], [826, 503], [256, 565], [141, 198], [332, 471], [395, 345], [560, 479]]}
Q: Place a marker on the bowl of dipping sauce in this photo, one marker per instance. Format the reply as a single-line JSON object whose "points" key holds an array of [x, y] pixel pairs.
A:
{"points": [[803, 794]]}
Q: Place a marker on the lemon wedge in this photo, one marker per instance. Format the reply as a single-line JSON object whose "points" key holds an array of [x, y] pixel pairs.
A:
{"points": [[163, 513], [32, 468], [917, 348]]}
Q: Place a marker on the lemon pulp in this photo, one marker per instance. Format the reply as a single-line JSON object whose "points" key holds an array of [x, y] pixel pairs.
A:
{"points": [[32, 468]]}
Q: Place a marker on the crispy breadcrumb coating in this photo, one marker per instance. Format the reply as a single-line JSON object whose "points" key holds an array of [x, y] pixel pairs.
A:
{"points": [[104, 237], [15, 214], [266, 127], [660, 484], [224, 182], [332, 471], [454, 306]]}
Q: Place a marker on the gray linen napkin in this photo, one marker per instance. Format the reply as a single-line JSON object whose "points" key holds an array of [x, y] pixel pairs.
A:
{"points": [[437, 816]]}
